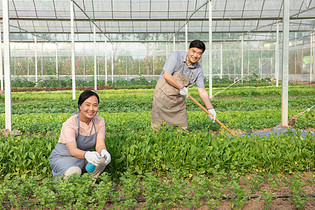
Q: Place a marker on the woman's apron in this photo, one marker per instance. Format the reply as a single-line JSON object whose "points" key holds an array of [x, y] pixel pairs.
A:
{"points": [[168, 105], [60, 159]]}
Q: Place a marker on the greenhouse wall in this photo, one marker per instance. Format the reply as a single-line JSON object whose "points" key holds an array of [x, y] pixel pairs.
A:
{"points": [[147, 57]]}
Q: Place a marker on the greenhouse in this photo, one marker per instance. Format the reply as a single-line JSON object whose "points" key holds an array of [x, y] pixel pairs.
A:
{"points": [[121, 64]]}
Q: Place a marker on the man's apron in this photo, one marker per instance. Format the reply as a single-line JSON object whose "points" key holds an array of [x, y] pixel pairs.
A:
{"points": [[168, 105], [60, 159]]}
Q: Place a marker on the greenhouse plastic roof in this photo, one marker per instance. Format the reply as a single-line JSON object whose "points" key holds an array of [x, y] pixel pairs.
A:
{"points": [[157, 16]]}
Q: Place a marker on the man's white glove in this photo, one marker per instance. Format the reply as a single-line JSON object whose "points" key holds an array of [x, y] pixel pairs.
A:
{"points": [[184, 92], [214, 115], [106, 155], [92, 157]]}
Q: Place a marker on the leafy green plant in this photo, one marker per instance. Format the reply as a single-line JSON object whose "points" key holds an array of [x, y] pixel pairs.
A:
{"points": [[255, 182], [241, 195], [267, 197], [296, 185]]}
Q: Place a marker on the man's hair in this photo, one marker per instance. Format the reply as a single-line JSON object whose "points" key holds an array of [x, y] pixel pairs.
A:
{"points": [[85, 95], [198, 44]]}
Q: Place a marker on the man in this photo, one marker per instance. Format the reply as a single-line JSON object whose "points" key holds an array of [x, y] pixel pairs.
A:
{"points": [[180, 70]]}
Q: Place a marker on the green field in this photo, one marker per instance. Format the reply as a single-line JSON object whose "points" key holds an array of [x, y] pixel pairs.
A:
{"points": [[168, 169]]}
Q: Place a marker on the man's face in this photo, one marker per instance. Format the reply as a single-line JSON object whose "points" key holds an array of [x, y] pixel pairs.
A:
{"points": [[194, 54]]}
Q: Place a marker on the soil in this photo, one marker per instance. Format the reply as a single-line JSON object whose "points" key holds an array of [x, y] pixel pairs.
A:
{"points": [[252, 203], [7, 132], [306, 84]]}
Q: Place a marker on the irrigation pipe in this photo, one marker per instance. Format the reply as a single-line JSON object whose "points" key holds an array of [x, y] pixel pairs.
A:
{"points": [[8, 204], [294, 118], [220, 197], [204, 109]]}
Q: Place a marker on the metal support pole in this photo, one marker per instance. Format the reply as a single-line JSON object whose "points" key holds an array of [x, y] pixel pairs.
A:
{"points": [[139, 60], [285, 65], [186, 36], [277, 58], [112, 65], [72, 49], [311, 57], [210, 48], [295, 79], [126, 61], [97, 64], [153, 60], [57, 70], [36, 67], [174, 44], [28, 66], [14, 67], [95, 67], [7, 68], [167, 49], [105, 61], [221, 61], [42, 64], [84, 70], [260, 65], [1, 64], [242, 60], [248, 50], [271, 65]]}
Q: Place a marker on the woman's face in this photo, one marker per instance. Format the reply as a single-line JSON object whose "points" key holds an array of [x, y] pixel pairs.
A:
{"points": [[89, 108]]}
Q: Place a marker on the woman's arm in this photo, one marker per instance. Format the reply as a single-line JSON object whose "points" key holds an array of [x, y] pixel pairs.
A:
{"points": [[100, 139], [74, 150], [100, 144]]}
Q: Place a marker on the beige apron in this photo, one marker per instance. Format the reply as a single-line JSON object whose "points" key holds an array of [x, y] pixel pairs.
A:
{"points": [[168, 105]]}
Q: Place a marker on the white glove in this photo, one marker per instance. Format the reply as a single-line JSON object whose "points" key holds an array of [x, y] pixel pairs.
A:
{"points": [[106, 155], [184, 92], [92, 157], [214, 115]]}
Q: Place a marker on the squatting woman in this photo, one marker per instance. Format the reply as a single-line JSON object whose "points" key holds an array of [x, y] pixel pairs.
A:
{"points": [[79, 135]]}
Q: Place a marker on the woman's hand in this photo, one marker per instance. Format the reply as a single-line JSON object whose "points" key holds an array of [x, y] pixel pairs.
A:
{"points": [[106, 155], [92, 157]]}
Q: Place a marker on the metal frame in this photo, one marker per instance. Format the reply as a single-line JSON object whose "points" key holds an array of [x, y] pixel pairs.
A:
{"points": [[131, 16]]}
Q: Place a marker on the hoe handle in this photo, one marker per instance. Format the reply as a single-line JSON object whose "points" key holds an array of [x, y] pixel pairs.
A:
{"points": [[204, 109]]}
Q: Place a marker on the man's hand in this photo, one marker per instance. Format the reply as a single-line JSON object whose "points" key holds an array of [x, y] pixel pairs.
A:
{"points": [[184, 91], [213, 113]]}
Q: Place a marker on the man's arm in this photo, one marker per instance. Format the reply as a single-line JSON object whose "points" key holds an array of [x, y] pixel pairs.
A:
{"points": [[205, 97], [172, 81]]}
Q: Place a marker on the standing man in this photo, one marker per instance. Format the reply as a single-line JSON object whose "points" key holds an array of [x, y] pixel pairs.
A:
{"points": [[180, 70]]}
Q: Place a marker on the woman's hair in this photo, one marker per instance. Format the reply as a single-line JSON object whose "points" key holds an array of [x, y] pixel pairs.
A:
{"points": [[198, 44], [85, 95]]}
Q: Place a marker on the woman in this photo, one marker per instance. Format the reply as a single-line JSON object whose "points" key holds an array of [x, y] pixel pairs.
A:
{"points": [[79, 134]]}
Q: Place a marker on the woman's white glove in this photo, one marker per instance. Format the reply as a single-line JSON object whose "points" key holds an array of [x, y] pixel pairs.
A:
{"points": [[92, 157], [106, 155], [184, 92], [214, 114]]}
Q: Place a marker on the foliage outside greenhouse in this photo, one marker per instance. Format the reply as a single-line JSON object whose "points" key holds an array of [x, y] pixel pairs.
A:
{"points": [[167, 169], [260, 61], [135, 83]]}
